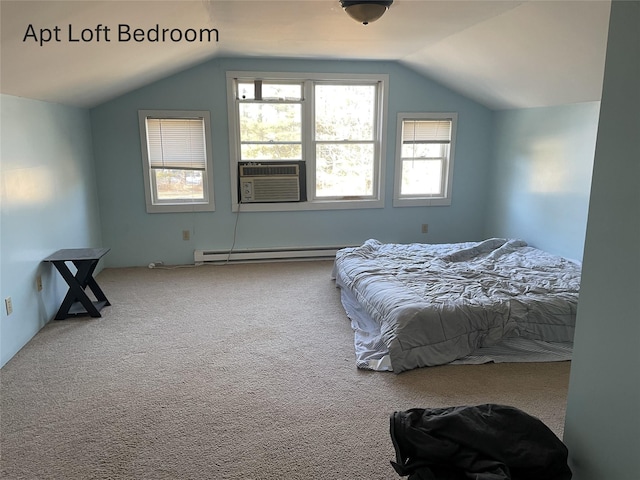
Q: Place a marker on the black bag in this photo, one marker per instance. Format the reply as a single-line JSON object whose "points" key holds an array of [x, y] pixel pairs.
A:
{"points": [[484, 442]]}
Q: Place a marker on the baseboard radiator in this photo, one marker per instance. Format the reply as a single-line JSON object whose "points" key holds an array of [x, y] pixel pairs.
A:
{"points": [[265, 254]]}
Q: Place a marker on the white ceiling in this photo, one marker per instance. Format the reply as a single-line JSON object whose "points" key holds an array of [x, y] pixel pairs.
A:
{"points": [[504, 54]]}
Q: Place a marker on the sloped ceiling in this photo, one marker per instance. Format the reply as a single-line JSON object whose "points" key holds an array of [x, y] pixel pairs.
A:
{"points": [[504, 54]]}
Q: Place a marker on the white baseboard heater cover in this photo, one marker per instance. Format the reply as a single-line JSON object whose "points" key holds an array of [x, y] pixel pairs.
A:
{"points": [[266, 255]]}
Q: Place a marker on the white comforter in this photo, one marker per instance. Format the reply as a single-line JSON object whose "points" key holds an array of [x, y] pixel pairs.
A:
{"points": [[427, 305]]}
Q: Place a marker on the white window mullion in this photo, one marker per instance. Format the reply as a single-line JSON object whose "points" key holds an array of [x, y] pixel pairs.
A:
{"points": [[308, 137], [380, 126]]}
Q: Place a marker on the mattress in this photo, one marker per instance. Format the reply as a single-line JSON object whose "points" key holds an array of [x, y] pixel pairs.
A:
{"points": [[418, 305]]}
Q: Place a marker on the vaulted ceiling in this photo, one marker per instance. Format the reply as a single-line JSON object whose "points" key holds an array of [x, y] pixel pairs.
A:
{"points": [[503, 54]]}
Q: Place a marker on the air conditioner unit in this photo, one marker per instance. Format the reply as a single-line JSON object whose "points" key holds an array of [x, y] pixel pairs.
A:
{"points": [[269, 182]]}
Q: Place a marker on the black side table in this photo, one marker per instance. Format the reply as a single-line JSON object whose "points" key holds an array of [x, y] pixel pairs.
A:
{"points": [[76, 302]]}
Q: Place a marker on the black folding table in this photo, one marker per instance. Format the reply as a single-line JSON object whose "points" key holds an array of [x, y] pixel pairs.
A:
{"points": [[77, 302]]}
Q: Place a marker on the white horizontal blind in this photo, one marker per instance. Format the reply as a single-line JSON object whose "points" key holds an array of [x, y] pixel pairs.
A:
{"points": [[176, 143], [426, 131]]}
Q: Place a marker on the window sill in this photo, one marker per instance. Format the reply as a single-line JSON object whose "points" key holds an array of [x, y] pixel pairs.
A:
{"points": [[306, 206], [421, 202], [180, 208]]}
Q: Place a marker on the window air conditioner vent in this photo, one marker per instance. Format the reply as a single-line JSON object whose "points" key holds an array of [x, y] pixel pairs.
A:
{"points": [[270, 183], [268, 170]]}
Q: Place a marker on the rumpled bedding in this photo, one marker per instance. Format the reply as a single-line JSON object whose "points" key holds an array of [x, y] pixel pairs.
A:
{"points": [[417, 305]]}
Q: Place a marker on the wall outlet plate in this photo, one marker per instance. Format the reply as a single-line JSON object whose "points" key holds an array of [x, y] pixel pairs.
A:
{"points": [[8, 305]]}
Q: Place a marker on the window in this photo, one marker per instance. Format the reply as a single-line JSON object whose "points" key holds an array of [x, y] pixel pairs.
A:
{"points": [[330, 125], [176, 158], [424, 159], [345, 141]]}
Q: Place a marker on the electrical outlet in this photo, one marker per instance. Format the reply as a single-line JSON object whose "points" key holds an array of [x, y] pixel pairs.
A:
{"points": [[186, 235], [8, 305], [39, 283], [425, 228]]}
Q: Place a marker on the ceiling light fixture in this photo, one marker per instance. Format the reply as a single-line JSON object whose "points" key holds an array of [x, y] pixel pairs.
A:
{"points": [[364, 11]]}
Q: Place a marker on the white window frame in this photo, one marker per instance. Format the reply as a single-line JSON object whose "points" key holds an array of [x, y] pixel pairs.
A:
{"points": [[421, 200], [153, 204], [309, 79]]}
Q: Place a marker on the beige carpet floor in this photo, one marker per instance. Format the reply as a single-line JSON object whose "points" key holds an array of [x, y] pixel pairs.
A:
{"points": [[227, 372]]}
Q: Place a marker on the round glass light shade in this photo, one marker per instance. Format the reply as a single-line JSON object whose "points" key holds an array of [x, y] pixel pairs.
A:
{"points": [[365, 12]]}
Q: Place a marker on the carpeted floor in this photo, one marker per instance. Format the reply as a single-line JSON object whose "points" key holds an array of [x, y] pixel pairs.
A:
{"points": [[227, 372]]}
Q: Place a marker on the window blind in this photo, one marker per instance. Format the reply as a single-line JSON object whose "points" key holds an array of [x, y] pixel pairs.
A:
{"points": [[176, 143], [426, 131]]}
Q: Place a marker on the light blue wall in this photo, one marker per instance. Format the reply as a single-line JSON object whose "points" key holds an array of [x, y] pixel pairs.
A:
{"points": [[541, 176], [138, 238], [602, 427], [49, 202]]}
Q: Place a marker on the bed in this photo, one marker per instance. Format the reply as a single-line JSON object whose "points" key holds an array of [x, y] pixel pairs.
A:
{"points": [[420, 305]]}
